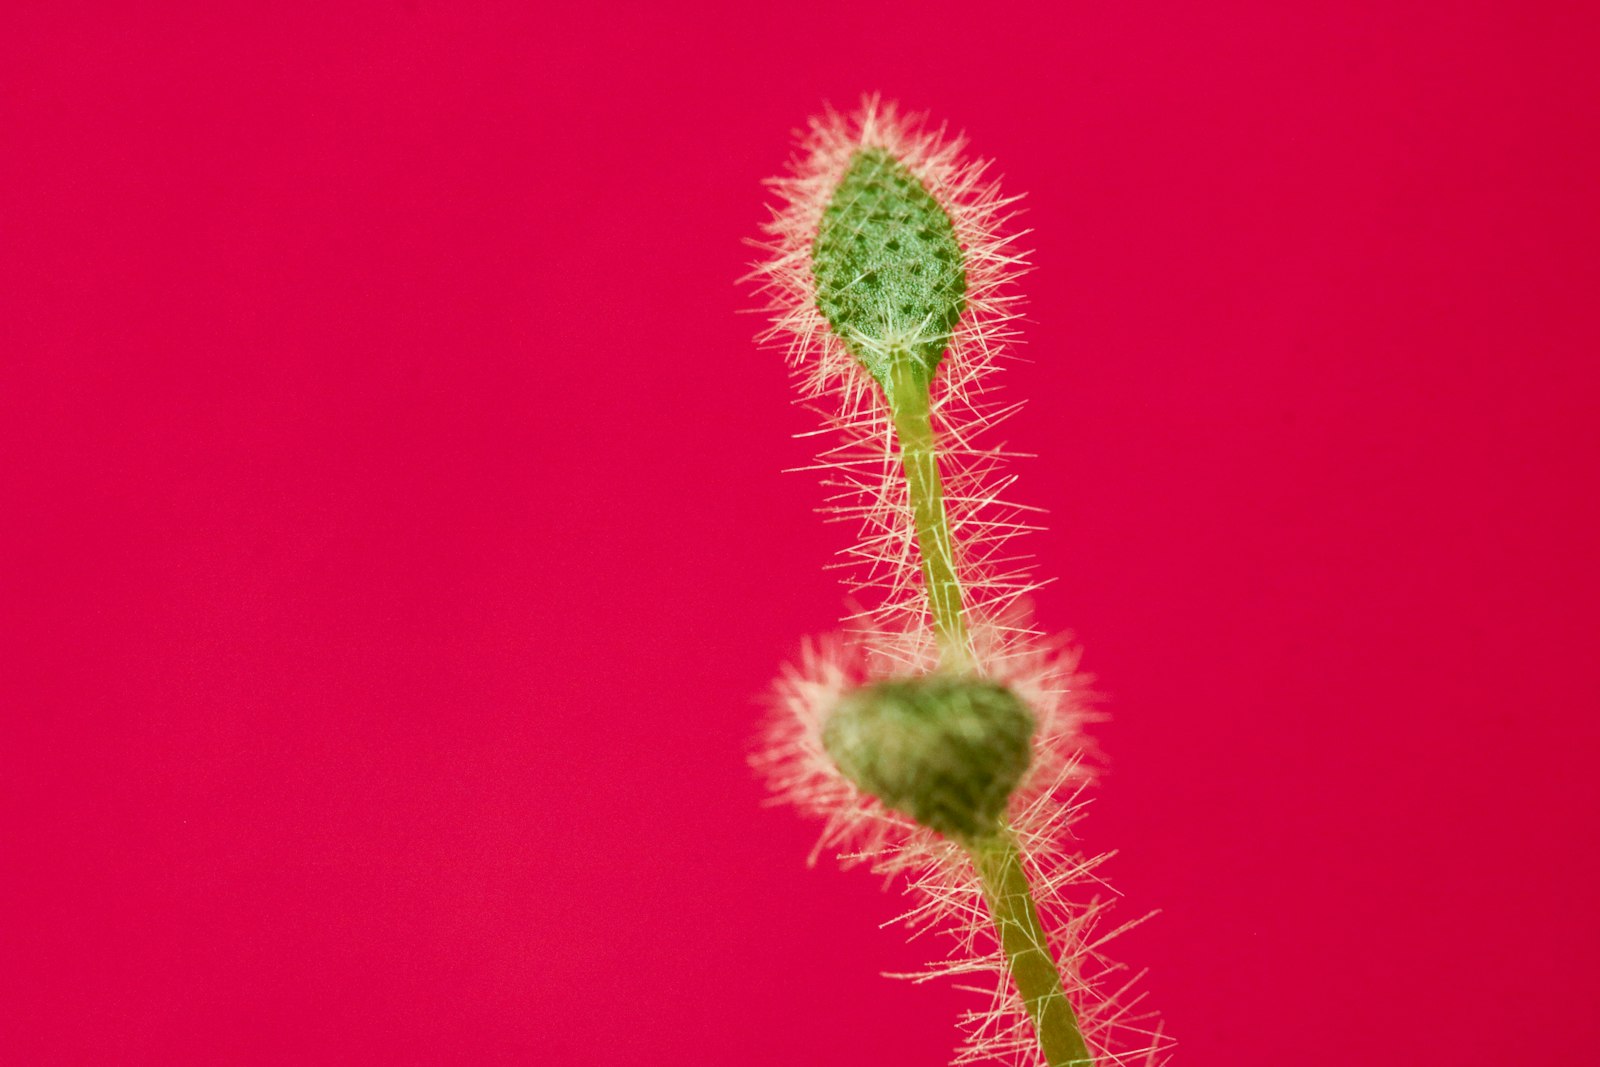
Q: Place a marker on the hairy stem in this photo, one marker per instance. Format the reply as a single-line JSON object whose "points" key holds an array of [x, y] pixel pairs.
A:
{"points": [[907, 396], [1033, 969]]}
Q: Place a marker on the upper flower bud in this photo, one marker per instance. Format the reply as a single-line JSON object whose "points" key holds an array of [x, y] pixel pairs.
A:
{"points": [[889, 237], [888, 268]]}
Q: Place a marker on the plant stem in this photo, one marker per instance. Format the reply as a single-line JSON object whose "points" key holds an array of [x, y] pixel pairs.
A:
{"points": [[1033, 969], [907, 396]]}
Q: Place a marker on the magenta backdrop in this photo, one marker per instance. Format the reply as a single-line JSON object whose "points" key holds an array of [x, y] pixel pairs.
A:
{"points": [[396, 549]]}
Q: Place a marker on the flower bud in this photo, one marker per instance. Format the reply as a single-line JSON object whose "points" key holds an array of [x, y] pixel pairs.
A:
{"points": [[889, 270], [943, 749]]}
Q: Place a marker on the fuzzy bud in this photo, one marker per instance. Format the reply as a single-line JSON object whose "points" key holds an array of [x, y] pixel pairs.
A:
{"points": [[889, 269], [943, 749]]}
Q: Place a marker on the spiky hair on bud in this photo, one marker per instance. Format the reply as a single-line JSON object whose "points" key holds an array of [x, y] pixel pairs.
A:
{"points": [[860, 465], [979, 213], [842, 163]]}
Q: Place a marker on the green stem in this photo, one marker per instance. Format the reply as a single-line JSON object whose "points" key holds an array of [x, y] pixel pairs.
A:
{"points": [[1033, 969], [907, 396]]}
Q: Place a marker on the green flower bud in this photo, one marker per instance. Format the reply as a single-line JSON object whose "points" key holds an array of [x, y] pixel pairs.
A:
{"points": [[948, 751], [890, 277]]}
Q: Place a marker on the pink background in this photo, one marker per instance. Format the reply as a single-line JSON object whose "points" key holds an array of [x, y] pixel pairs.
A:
{"points": [[395, 550]]}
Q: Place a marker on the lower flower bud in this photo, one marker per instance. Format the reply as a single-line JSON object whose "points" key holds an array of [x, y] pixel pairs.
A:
{"points": [[948, 751]]}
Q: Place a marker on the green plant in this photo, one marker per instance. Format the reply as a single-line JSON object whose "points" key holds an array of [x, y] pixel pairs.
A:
{"points": [[940, 734]]}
